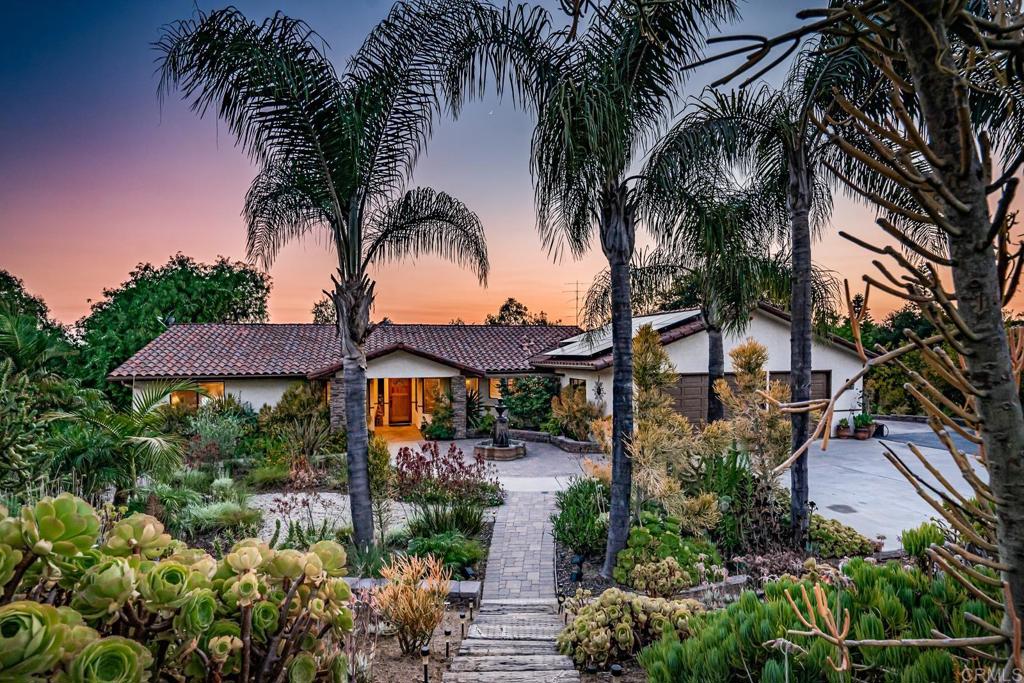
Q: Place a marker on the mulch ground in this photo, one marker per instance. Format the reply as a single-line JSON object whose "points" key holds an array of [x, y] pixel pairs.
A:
{"points": [[390, 665], [592, 579]]}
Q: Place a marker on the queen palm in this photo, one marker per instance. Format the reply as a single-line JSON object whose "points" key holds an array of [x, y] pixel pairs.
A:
{"points": [[335, 154], [771, 135], [600, 95]]}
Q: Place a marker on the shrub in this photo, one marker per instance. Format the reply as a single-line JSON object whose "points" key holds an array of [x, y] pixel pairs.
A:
{"points": [[442, 420], [741, 641], [413, 599], [222, 516], [573, 413], [427, 476], [917, 541], [529, 400], [216, 434], [369, 560], [140, 606], [657, 538], [269, 476], [617, 624], [581, 523], [475, 410], [486, 423], [454, 550], [437, 518], [379, 463], [831, 538]]}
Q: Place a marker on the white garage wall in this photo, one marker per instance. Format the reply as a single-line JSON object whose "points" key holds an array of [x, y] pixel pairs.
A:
{"points": [[690, 355]]}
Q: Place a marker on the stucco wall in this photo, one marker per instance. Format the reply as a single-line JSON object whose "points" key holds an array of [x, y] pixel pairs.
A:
{"points": [[690, 355], [257, 392], [403, 364]]}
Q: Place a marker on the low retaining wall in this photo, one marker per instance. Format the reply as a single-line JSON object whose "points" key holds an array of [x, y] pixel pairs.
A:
{"points": [[566, 444]]}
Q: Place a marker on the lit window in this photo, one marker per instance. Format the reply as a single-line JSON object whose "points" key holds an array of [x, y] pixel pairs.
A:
{"points": [[212, 391], [473, 385], [432, 388], [495, 386]]}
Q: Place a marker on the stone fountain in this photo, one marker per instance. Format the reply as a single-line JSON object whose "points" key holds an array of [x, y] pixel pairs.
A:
{"points": [[500, 446]]}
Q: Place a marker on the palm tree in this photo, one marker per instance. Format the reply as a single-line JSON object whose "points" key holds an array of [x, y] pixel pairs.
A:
{"points": [[105, 445], [336, 152], [600, 97], [771, 135]]}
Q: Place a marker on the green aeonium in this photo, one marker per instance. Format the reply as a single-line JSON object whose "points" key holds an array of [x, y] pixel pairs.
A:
{"points": [[65, 525], [31, 640], [110, 660]]}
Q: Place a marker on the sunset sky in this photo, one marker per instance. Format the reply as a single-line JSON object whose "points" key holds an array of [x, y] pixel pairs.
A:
{"points": [[95, 177]]}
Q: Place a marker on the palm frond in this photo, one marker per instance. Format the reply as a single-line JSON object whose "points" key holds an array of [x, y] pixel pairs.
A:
{"points": [[425, 221]]}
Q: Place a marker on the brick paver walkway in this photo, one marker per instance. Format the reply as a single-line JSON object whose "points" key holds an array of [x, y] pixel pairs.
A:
{"points": [[521, 562], [512, 638]]}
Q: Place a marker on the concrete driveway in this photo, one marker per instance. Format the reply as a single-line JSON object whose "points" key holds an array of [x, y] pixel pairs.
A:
{"points": [[853, 481]]}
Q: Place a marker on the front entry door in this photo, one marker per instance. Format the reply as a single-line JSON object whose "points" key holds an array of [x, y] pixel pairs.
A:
{"points": [[400, 398]]}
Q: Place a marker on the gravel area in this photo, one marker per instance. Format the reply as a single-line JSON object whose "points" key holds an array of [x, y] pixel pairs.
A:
{"points": [[315, 506]]}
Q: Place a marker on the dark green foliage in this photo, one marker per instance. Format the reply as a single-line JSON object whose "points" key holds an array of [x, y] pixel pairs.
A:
{"points": [[885, 601], [382, 475], [301, 534], [529, 400], [133, 314], [367, 561], [752, 515], [442, 420], [453, 549], [581, 522], [657, 538], [863, 420], [461, 516], [20, 429], [222, 516], [513, 312], [474, 410]]}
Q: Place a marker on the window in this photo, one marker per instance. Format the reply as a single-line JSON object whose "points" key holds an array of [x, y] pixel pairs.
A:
{"points": [[578, 384], [214, 391], [472, 384], [432, 387], [495, 385]]}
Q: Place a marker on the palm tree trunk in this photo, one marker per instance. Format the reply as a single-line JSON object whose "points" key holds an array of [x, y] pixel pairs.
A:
{"points": [[923, 35], [352, 299], [617, 240], [358, 451], [716, 371], [800, 181]]}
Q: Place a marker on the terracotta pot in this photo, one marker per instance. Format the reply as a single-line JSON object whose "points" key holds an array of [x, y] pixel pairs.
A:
{"points": [[842, 432], [863, 433]]}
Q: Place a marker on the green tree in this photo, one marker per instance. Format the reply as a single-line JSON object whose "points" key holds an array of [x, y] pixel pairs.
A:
{"points": [[16, 299], [335, 154], [512, 312], [324, 312], [181, 291]]}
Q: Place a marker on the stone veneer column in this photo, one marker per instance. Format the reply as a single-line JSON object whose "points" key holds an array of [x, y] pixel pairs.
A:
{"points": [[337, 406], [459, 405]]}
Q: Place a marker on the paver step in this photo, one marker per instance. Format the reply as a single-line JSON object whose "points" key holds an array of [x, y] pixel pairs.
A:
{"points": [[561, 676], [521, 662], [523, 618], [498, 632], [521, 604], [474, 647]]}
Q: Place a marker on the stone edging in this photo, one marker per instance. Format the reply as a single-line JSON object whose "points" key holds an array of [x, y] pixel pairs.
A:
{"points": [[564, 443], [459, 590]]}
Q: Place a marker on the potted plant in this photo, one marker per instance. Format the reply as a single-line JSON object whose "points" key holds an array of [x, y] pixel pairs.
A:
{"points": [[843, 429], [863, 426]]}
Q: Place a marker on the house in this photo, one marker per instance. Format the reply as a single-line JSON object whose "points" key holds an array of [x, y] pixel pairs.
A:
{"points": [[586, 359], [408, 364]]}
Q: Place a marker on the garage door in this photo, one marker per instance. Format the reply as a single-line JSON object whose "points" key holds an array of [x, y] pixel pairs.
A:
{"points": [[690, 394]]}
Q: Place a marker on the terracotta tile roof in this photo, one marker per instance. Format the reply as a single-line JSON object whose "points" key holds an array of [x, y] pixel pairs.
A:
{"points": [[215, 350]]}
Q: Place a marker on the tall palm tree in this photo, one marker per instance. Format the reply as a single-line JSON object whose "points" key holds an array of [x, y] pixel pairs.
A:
{"points": [[336, 152], [600, 96], [771, 135]]}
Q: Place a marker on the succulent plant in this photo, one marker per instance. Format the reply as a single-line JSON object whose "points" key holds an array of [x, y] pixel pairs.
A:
{"points": [[615, 624], [138, 534], [657, 539], [31, 640], [110, 660], [165, 586], [303, 669], [664, 578], [105, 588], [142, 592], [64, 525]]}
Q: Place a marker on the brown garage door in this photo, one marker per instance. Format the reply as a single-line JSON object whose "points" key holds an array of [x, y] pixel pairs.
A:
{"points": [[691, 397]]}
